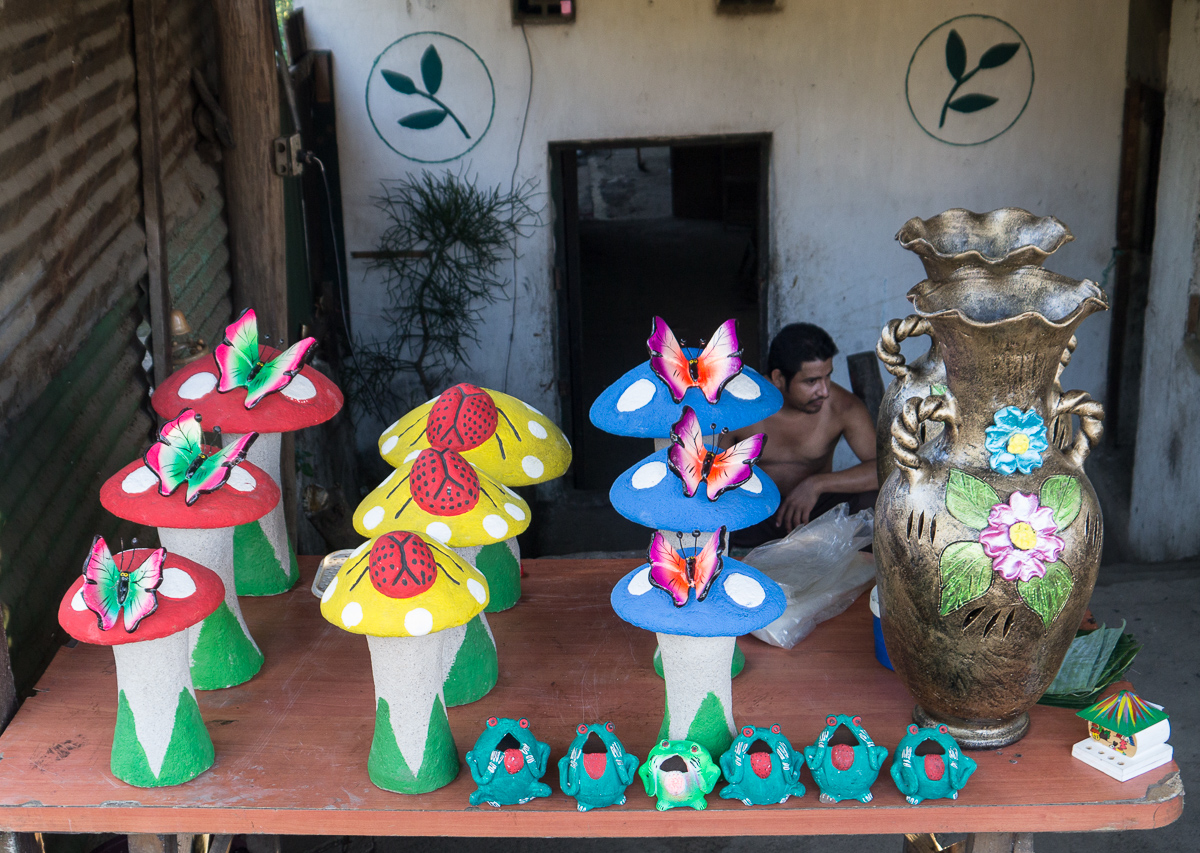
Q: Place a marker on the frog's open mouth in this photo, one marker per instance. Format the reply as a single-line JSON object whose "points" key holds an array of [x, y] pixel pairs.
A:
{"points": [[932, 752], [841, 747], [760, 758], [595, 756], [514, 761]]}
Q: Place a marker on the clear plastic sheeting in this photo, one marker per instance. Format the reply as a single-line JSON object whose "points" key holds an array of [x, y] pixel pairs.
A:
{"points": [[820, 569]]}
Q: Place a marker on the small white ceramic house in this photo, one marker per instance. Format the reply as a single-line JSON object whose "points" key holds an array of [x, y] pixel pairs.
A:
{"points": [[1127, 736]]}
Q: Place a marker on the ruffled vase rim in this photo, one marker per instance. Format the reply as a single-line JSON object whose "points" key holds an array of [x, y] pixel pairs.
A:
{"points": [[928, 237]]}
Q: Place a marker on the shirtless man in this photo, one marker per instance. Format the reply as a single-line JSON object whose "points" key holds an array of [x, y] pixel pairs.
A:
{"points": [[801, 436]]}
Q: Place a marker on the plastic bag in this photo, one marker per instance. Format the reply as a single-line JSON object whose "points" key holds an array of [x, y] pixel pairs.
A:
{"points": [[820, 569]]}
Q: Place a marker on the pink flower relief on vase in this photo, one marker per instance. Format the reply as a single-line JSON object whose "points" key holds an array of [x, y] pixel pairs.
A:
{"points": [[1020, 538]]}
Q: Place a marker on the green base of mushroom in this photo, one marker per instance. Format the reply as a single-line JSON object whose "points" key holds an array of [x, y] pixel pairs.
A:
{"points": [[257, 566], [502, 568], [735, 669], [388, 769], [189, 753], [475, 669], [709, 726], [224, 655]]}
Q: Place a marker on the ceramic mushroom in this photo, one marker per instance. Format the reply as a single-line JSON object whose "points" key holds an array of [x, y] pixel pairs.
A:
{"points": [[501, 436], [441, 494], [405, 592], [200, 525], [698, 602], [142, 602], [247, 387]]}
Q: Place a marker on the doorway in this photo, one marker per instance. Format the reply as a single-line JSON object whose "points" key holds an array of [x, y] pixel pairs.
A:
{"points": [[667, 227]]}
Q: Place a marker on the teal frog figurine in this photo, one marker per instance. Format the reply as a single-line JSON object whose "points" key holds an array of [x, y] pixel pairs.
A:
{"points": [[762, 768], [596, 769], [845, 766], [930, 765], [506, 763], [679, 773]]}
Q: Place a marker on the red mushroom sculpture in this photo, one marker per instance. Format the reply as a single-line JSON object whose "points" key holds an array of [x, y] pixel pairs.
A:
{"points": [[247, 387]]}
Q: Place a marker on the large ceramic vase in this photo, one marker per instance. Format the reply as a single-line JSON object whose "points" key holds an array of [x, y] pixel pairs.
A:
{"points": [[999, 241], [988, 536]]}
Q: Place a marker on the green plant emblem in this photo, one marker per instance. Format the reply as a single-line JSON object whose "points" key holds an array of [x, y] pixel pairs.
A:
{"points": [[956, 63], [431, 76]]}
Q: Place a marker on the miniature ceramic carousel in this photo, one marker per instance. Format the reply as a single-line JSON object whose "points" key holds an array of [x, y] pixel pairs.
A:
{"points": [[196, 496], [142, 603], [246, 387], [505, 438], [1127, 736], [405, 594]]}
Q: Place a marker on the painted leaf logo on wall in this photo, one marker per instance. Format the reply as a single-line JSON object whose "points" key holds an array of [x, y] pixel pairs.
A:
{"points": [[431, 77], [956, 63]]}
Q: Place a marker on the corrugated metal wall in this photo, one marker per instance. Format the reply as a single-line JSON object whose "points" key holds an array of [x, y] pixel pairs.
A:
{"points": [[73, 395]]}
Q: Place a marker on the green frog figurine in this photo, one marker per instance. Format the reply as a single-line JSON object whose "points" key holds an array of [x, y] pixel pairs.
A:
{"points": [[762, 768], [596, 769], [845, 771], [506, 763], [679, 773], [929, 765]]}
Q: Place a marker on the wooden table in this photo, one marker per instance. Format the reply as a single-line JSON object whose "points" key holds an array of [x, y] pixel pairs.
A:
{"points": [[292, 744]]}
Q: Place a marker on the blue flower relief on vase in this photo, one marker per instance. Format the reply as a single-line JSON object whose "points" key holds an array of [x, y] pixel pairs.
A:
{"points": [[1016, 440]]}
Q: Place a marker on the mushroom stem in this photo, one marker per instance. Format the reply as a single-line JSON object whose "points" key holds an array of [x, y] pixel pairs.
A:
{"points": [[699, 690], [500, 563], [160, 738], [223, 653], [471, 663], [263, 559], [412, 751]]}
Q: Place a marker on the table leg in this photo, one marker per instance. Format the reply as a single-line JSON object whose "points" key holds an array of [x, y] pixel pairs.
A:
{"points": [[21, 842], [929, 843], [1000, 842]]}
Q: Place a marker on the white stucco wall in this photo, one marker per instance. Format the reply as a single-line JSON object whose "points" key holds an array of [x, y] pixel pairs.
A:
{"points": [[825, 77], [1166, 489]]}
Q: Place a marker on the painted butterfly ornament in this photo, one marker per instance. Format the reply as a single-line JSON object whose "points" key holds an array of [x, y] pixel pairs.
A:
{"points": [[112, 591], [179, 456], [678, 574], [709, 371], [240, 364], [694, 462]]}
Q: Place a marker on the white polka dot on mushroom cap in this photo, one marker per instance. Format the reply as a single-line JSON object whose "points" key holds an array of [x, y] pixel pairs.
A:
{"points": [[532, 466], [197, 386], [352, 614], [328, 593], [515, 511], [532, 409], [373, 517], [743, 387], [639, 584], [176, 583], [299, 389], [649, 475], [476, 589], [77, 601], [241, 480], [636, 396], [418, 621], [495, 526], [413, 455], [744, 590], [138, 481], [389, 444], [537, 430], [753, 485], [439, 530]]}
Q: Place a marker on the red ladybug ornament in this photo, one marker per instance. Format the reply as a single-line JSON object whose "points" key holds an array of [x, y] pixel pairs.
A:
{"points": [[402, 565], [443, 483], [463, 418]]}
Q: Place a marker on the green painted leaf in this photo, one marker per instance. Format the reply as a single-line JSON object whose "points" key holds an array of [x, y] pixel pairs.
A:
{"points": [[402, 83], [1062, 494], [1047, 595], [956, 55], [972, 103], [431, 69], [423, 120], [939, 390], [969, 499], [998, 54], [966, 575]]}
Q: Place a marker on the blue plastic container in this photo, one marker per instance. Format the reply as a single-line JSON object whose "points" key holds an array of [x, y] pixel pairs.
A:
{"points": [[881, 654]]}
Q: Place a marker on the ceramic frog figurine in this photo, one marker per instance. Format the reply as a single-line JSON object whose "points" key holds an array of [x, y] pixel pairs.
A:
{"points": [[506, 763], [929, 765], [679, 773], [762, 768], [596, 769], [844, 771]]}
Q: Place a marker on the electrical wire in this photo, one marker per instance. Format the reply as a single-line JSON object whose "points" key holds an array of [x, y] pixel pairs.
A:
{"points": [[343, 295], [512, 186]]}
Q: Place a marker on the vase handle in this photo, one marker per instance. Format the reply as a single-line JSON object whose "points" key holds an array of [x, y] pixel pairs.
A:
{"points": [[1091, 422], [888, 348], [908, 420]]}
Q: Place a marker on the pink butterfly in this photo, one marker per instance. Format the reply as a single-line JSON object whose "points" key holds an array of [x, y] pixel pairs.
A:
{"points": [[112, 591], [240, 364], [710, 371], [720, 470], [677, 574]]}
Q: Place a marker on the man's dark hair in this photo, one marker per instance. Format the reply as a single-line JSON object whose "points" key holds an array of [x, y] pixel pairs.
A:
{"points": [[796, 344]]}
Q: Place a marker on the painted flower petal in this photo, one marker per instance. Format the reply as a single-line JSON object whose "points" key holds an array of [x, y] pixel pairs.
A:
{"points": [[1048, 548], [995, 541], [1005, 463], [1014, 565], [1002, 515], [1038, 442], [1023, 505]]}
